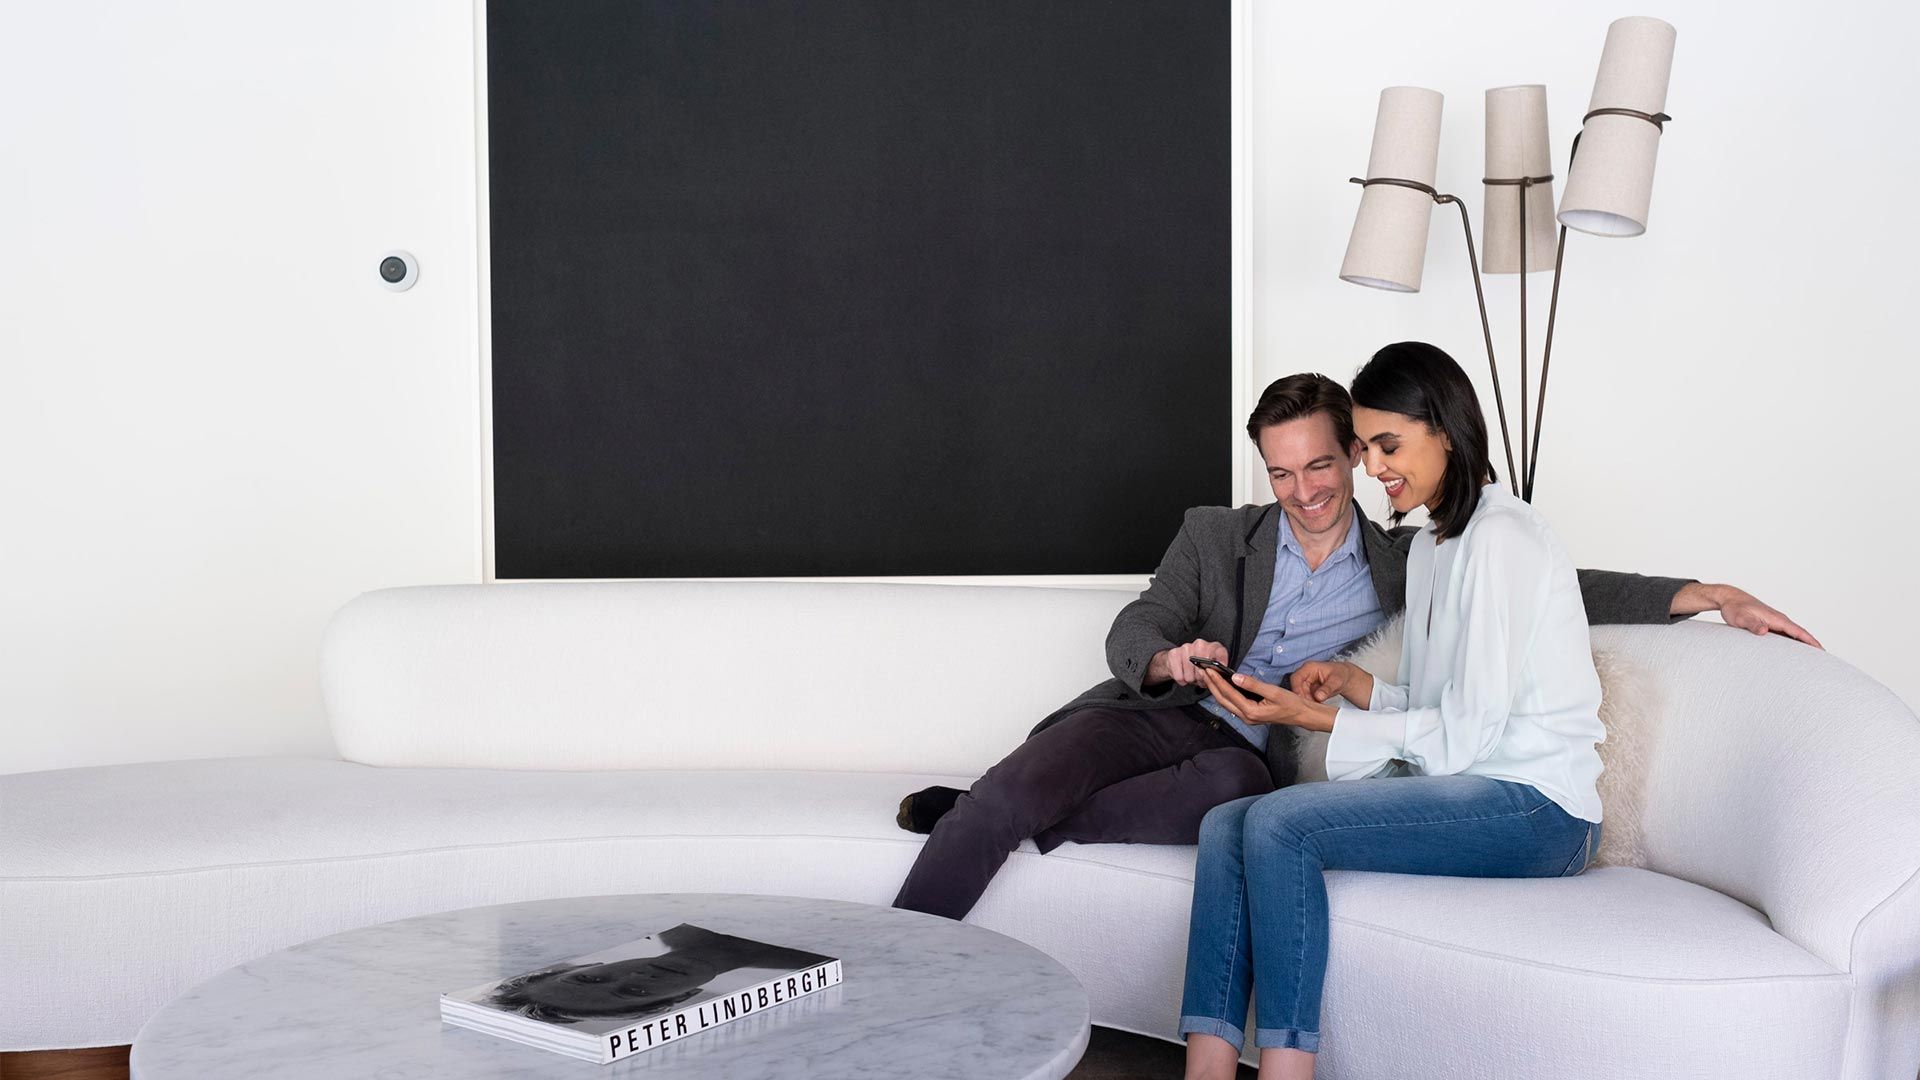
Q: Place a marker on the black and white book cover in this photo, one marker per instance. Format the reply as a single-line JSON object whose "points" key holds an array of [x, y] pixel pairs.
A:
{"points": [[641, 994]]}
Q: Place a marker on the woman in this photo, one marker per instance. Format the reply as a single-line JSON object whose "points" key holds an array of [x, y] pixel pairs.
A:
{"points": [[1479, 762]]}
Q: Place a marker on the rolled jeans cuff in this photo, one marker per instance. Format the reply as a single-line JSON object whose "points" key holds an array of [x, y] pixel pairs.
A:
{"points": [[1207, 1025], [1286, 1039]]}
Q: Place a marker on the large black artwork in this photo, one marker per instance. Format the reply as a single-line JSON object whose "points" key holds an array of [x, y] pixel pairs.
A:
{"points": [[857, 287]]}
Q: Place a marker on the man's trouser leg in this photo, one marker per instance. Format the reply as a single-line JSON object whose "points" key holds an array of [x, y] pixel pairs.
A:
{"points": [[1049, 780], [1165, 806]]}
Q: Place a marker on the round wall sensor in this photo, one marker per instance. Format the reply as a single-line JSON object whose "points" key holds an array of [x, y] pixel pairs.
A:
{"points": [[399, 270]]}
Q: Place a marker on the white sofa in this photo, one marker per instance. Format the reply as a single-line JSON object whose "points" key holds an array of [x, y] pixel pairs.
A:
{"points": [[509, 742]]}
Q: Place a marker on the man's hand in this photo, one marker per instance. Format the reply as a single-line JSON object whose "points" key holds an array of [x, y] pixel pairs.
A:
{"points": [[1318, 680], [1177, 663], [1737, 607]]}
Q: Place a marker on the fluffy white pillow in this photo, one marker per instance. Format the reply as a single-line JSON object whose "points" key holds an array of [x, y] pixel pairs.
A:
{"points": [[1627, 710]]}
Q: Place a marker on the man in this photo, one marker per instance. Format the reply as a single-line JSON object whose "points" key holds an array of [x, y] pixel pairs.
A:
{"points": [[1142, 757]]}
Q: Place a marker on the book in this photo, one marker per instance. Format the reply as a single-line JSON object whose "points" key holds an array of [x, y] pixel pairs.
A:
{"points": [[640, 994]]}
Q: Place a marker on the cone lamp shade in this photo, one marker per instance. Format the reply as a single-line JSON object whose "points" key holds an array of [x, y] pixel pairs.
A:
{"points": [[1517, 147], [1610, 184], [1388, 248]]}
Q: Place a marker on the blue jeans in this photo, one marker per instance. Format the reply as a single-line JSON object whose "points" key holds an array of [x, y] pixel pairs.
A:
{"points": [[1260, 892]]}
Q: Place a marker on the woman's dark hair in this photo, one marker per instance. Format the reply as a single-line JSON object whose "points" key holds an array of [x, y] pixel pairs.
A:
{"points": [[1419, 380]]}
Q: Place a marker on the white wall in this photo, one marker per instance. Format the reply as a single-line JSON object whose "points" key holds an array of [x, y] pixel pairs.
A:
{"points": [[1732, 392], [216, 427]]}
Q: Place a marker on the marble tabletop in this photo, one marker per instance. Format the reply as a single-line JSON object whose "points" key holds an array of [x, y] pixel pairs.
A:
{"points": [[922, 997]]}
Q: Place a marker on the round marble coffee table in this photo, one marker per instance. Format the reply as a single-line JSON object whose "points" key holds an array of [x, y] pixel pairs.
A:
{"points": [[922, 996]]}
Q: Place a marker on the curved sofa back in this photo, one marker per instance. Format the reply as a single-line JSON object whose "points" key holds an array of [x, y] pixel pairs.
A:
{"points": [[707, 675], [1776, 773]]}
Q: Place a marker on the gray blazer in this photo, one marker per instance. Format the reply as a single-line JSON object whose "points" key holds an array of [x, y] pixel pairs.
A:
{"points": [[1213, 583]]}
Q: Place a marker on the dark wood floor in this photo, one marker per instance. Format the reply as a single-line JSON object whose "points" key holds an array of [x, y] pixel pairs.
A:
{"points": [[99, 1063], [1111, 1055]]}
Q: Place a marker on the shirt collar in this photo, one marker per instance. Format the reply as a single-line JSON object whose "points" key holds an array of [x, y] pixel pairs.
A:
{"points": [[1348, 547]]}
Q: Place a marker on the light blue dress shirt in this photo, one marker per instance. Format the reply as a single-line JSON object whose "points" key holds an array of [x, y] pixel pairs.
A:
{"points": [[1310, 615]]}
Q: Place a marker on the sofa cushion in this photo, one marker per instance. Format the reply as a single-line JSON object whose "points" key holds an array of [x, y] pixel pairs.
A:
{"points": [[178, 816], [1617, 972], [165, 874]]}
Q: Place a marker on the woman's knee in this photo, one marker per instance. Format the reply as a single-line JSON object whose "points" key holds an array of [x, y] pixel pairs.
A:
{"points": [[1289, 816], [1223, 823]]}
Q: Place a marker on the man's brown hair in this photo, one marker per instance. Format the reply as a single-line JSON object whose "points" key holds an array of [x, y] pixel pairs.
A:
{"points": [[1303, 395]]}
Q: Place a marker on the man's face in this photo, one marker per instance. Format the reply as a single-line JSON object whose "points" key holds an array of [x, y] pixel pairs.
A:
{"points": [[1311, 474], [621, 988]]}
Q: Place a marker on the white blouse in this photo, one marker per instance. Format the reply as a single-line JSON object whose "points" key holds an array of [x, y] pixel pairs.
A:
{"points": [[1496, 676]]}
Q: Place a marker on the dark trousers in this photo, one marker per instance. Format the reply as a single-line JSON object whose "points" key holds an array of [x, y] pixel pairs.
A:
{"points": [[1100, 776]]}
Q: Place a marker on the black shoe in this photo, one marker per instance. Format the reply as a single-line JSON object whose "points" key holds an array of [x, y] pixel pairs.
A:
{"points": [[922, 809]]}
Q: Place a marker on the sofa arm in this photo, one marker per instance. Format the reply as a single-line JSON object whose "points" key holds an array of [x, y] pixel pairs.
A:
{"points": [[1784, 777]]}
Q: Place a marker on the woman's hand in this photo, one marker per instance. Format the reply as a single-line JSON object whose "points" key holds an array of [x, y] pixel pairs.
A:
{"points": [[1280, 707], [1318, 680]]}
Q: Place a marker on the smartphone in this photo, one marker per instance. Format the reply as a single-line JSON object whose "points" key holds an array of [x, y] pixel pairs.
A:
{"points": [[1225, 673]]}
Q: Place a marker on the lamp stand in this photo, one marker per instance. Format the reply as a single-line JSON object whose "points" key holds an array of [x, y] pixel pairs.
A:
{"points": [[1546, 359], [1658, 120], [1530, 453]]}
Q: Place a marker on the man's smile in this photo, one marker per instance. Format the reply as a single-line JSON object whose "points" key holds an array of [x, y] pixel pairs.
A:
{"points": [[1314, 512]]}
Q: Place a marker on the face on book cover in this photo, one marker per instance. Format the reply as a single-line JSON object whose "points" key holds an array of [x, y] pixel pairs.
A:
{"points": [[620, 988]]}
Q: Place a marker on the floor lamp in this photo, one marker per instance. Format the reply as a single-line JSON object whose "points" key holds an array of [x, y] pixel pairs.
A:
{"points": [[1609, 189]]}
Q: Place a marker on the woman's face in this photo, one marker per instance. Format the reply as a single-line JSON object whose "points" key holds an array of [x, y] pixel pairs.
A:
{"points": [[1407, 457]]}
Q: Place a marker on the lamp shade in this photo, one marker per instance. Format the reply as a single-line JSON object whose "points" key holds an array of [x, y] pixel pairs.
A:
{"points": [[1388, 248], [1517, 147], [1610, 184]]}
